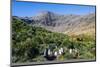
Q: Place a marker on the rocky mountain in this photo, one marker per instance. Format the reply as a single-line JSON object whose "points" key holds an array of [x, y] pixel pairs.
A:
{"points": [[67, 24]]}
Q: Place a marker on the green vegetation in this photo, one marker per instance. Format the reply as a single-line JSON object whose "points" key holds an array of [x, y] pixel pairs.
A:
{"points": [[29, 43]]}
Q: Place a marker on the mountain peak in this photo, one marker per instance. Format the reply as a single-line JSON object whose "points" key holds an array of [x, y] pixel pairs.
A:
{"points": [[45, 13]]}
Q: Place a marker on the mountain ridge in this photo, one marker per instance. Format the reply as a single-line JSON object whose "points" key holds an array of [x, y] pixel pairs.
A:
{"points": [[67, 24]]}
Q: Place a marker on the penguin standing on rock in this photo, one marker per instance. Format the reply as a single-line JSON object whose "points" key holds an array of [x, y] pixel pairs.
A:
{"points": [[49, 55]]}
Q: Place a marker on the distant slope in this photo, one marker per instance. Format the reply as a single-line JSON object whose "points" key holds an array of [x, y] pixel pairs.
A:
{"points": [[67, 24]]}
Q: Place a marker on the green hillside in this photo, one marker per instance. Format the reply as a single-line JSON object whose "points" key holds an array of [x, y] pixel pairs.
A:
{"points": [[29, 43]]}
